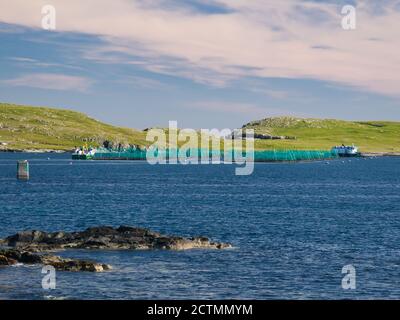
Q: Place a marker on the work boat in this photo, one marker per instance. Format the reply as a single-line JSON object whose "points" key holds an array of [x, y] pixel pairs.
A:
{"points": [[346, 151], [83, 154]]}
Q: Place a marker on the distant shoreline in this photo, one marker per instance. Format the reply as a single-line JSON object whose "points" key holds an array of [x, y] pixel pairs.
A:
{"points": [[380, 154], [34, 151], [37, 129], [363, 154]]}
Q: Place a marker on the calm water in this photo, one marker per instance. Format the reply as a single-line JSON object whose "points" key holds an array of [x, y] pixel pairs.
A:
{"points": [[294, 226]]}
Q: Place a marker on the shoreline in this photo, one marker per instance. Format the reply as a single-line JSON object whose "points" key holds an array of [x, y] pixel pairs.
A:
{"points": [[363, 154], [380, 154], [34, 151]]}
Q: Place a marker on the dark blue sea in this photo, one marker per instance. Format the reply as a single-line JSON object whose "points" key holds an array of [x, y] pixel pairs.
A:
{"points": [[293, 227]]}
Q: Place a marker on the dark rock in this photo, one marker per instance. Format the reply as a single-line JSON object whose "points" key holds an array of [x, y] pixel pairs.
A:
{"points": [[13, 256], [27, 246], [74, 265], [26, 237], [5, 261], [30, 258], [105, 237]]}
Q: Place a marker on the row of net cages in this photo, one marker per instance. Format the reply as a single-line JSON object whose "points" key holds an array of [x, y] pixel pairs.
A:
{"points": [[219, 155]]}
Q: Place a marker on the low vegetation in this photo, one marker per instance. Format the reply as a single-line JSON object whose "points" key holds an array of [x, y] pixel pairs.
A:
{"points": [[370, 136], [39, 128]]}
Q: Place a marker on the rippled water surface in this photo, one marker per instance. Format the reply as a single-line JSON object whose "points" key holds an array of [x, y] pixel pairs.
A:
{"points": [[293, 227]]}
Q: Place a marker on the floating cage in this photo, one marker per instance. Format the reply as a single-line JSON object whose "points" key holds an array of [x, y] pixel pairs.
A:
{"points": [[215, 155], [293, 155], [119, 155]]}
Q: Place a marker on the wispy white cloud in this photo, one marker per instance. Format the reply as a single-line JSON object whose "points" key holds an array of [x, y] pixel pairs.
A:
{"points": [[50, 81], [23, 59], [249, 110], [285, 39], [276, 94], [34, 63], [142, 82], [225, 106]]}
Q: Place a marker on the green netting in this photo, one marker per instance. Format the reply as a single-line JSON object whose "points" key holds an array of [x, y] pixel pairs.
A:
{"points": [[120, 155], [259, 156], [293, 155]]}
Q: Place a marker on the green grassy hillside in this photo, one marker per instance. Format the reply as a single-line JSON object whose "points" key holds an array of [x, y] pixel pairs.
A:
{"points": [[34, 128], [370, 136], [37, 128]]}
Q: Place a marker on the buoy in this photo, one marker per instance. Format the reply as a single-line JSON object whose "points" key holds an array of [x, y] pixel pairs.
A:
{"points": [[23, 170]]}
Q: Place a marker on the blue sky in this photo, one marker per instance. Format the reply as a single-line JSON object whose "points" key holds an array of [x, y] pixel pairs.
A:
{"points": [[206, 63]]}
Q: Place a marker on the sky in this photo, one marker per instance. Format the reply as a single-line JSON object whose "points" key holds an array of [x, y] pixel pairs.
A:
{"points": [[206, 64]]}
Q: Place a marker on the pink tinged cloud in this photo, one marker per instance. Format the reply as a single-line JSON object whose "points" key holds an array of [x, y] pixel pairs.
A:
{"points": [[285, 39], [50, 81], [248, 109]]}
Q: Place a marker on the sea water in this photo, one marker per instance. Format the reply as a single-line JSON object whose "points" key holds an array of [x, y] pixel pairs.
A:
{"points": [[294, 226]]}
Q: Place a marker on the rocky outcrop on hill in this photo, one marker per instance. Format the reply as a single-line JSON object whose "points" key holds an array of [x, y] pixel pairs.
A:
{"points": [[28, 246]]}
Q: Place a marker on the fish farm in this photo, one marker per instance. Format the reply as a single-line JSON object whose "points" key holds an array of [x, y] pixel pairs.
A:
{"points": [[204, 154]]}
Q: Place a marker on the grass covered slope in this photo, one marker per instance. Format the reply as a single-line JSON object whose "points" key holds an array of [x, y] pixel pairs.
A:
{"points": [[370, 136], [37, 128]]}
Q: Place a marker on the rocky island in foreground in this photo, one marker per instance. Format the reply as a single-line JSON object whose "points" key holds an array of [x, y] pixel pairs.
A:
{"points": [[33, 247]]}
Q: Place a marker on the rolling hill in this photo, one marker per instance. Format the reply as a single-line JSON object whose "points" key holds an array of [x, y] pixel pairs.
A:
{"points": [[370, 136], [39, 128]]}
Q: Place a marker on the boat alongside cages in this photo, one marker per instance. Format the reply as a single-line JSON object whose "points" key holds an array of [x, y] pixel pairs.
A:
{"points": [[346, 151]]}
